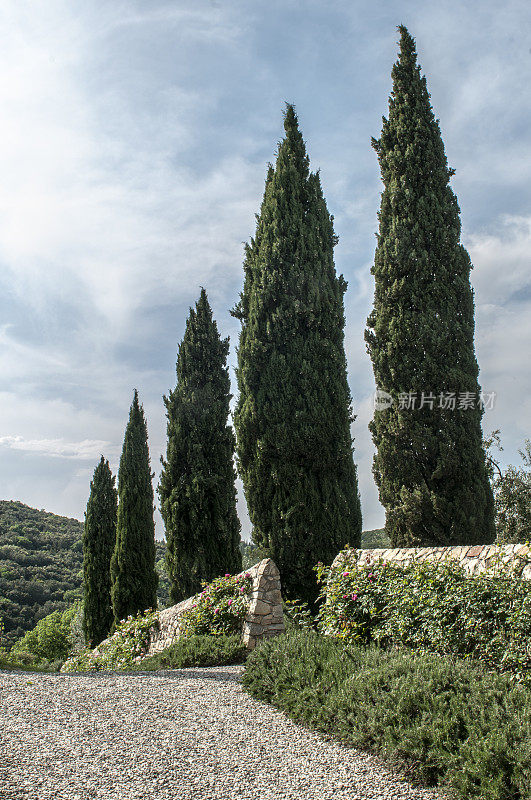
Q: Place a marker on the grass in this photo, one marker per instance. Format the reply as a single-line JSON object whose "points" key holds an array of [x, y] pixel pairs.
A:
{"points": [[441, 721], [197, 651]]}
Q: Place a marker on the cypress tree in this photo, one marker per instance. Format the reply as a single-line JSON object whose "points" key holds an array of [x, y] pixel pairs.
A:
{"points": [[430, 462], [196, 488], [134, 579], [99, 536], [294, 408]]}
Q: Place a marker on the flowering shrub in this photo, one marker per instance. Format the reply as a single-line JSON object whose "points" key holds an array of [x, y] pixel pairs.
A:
{"points": [[431, 607], [219, 610], [126, 646]]}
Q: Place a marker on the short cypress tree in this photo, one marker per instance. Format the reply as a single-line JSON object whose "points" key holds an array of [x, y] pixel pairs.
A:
{"points": [[430, 462], [196, 488], [99, 536], [294, 408], [134, 579]]}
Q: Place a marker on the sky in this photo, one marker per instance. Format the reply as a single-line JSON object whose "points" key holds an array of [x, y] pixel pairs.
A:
{"points": [[134, 142]]}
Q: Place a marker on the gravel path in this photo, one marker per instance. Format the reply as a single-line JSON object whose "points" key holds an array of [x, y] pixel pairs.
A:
{"points": [[189, 734]]}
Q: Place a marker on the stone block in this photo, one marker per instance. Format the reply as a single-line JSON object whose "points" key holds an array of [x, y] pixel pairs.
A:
{"points": [[260, 607]]}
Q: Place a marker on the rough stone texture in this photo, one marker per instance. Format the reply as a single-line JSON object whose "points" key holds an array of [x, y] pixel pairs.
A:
{"points": [[512, 558], [189, 734], [264, 617]]}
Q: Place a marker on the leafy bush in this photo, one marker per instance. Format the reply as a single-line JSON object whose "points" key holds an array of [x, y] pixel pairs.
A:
{"points": [[50, 640], [433, 607], [219, 610], [127, 645], [297, 614], [197, 651], [443, 721]]}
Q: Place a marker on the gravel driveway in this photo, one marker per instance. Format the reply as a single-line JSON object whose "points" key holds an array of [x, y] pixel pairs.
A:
{"points": [[189, 734]]}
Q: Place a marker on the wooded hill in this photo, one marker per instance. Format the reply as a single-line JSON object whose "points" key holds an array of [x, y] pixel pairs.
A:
{"points": [[41, 566]]}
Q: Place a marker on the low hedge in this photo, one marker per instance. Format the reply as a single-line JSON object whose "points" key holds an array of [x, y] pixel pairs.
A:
{"points": [[432, 607], [197, 651], [442, 721]]}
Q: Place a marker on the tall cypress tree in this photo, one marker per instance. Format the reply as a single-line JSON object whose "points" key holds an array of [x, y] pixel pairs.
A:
{"points": [[294, 409], [99, 536], [430, 462], [134, 579], [196, 489]]}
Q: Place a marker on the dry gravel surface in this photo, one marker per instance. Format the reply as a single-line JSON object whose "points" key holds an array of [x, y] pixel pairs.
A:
{"points": [[190, 734]]}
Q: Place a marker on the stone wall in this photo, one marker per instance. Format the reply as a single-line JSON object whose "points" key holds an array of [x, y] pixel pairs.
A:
{"points": [[515, 558], [264, 617]]}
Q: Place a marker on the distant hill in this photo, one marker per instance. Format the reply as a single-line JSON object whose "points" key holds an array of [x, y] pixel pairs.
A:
{"points": [[373, 539], [41, 560]]}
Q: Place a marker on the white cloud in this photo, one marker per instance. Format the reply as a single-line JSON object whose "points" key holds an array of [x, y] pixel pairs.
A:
{"points": [[57, 448]]}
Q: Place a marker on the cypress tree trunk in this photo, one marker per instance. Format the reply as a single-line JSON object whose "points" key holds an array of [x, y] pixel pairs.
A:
{"points": [[99, 536], [134, 579], [196, 489], [430, 462], [294, 409]]}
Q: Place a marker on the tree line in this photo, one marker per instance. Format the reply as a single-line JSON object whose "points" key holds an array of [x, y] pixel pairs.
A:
{"points": [[293, 415]]}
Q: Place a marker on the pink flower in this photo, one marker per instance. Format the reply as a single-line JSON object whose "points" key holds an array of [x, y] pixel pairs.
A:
{"points": [[216, 610], [247, 574], [230, 602], [227, 574], [242, 589], [354, 596], [345, 574]]}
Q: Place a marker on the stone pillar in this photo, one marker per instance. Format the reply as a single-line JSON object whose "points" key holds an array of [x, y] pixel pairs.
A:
{"points": [[265, 617]]}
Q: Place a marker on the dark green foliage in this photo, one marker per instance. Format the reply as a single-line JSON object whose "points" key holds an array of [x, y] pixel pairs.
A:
{"points": [[434, 607], [134, 579], [196, 489], [40, 566], [163, 586], [512, 493], [443, 721], [99, 539], [430, 463], [197, 651], [251, 554], [293, 414]]}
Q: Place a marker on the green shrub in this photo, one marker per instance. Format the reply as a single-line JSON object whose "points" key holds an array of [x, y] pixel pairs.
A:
{"points": [[127, 645], [219, 610], [197, 651], [434, 607], [50, 640], [297, 615], [443, 721]]}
